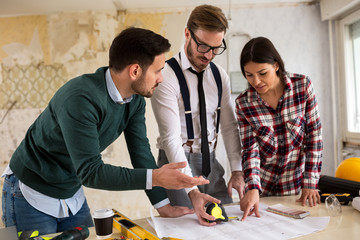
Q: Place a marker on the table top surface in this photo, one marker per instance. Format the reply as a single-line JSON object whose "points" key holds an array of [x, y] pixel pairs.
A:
{"points": [[344, 226]]}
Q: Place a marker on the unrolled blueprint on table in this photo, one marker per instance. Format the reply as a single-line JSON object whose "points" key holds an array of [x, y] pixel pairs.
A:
{"points": [[268, 226]]}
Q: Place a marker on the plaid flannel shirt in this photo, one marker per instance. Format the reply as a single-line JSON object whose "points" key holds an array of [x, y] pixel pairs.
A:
{"points": [[282, 148]]}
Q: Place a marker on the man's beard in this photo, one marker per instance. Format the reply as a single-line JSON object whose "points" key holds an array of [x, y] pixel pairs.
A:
{"points": [[139, 87], [192, 57]]}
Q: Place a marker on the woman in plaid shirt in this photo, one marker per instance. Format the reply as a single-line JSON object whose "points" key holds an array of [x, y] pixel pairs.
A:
{"points": [[280, 129]]}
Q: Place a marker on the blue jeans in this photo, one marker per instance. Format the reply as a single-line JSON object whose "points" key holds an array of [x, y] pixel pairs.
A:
{"points": [[17, 211]]}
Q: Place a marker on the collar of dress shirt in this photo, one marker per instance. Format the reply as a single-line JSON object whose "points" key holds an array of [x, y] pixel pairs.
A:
{"points": [[288, 83], [113, 92], [184, 61]]}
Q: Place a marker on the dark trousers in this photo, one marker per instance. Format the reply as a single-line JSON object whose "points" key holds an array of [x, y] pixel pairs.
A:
{"points": [[216, 188]]}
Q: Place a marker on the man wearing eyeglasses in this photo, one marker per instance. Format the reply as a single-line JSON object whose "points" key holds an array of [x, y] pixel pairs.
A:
{"points": [[190, 106]]}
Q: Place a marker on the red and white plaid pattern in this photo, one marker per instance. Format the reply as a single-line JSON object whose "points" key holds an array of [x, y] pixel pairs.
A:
{"points": [[282, 148]]}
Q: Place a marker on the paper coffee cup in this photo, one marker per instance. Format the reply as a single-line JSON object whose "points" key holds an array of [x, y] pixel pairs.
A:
{"points": [[103, 219]]}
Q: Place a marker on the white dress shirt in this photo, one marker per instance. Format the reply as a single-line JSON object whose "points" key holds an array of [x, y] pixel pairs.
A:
{"points": [[168, 107]]}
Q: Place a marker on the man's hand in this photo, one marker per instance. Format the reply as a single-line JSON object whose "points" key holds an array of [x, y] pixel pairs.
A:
{"points": [[169, 177], [174, 211], [250, 203], [237, 182], [199, 200], [309, 194]]}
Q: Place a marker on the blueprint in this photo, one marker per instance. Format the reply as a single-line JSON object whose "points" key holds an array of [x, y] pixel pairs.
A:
{"points": [[268, 226]]}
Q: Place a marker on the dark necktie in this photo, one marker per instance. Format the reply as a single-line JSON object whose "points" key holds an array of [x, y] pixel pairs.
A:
{"points": [[204, 138]]}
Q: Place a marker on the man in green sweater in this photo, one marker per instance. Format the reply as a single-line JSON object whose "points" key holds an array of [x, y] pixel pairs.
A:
{"points": [[62, 148]]}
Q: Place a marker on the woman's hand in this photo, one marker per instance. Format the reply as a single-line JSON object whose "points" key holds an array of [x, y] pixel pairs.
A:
{"points": [[309, 194], [250, 204]]}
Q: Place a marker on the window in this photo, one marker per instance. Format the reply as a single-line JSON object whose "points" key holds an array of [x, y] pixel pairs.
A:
{"points": [[353, 82], [350, 39]]}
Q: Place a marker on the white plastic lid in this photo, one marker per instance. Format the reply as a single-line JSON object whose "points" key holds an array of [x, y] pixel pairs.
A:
{"points": [[103, 213]]}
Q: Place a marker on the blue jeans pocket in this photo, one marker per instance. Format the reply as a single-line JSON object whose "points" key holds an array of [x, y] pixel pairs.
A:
{"points": [[10, 191]]}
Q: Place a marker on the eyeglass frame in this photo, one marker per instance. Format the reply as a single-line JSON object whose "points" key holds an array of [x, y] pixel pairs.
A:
{"points": [[210, 48]]}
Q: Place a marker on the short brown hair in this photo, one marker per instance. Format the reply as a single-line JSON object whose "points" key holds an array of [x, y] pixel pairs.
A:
{"points": [[207, 17], [136, 45]]}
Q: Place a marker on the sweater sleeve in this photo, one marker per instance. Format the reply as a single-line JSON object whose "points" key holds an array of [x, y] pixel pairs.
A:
{"points": [[139, 149], [78, 120]]}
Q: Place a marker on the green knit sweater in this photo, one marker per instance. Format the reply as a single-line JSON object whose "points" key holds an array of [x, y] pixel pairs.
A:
{"points": [[62, 148]]}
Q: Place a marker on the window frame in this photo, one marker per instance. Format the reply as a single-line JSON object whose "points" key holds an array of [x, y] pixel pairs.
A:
{"points": [[346, 72]]}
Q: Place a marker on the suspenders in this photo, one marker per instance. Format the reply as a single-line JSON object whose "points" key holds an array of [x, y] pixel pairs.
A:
{"points": [[186, 97]]}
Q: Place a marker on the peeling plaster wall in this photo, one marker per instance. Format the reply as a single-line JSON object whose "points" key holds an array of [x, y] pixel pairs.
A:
{"points": [[40, 53], [21, 30]]}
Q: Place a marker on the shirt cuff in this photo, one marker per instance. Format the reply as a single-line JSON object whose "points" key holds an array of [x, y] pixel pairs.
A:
{"points": [[253, 184], [310, 183], [187, 190], [235, 165], [149, 179], [161, 203]]}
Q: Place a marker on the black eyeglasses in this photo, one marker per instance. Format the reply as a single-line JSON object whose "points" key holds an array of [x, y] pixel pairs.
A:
{"points": [[204, 48]]}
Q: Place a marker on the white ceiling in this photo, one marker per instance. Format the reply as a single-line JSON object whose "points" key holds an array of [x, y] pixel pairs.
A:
{"points": [[35, 7]]}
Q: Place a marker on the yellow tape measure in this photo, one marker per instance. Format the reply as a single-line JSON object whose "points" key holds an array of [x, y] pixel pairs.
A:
{"points": [[218, 211]]}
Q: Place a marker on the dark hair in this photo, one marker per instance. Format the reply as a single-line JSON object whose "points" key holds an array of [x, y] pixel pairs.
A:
{"points": [[261, 50], [136, 45], [207, 17]]}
